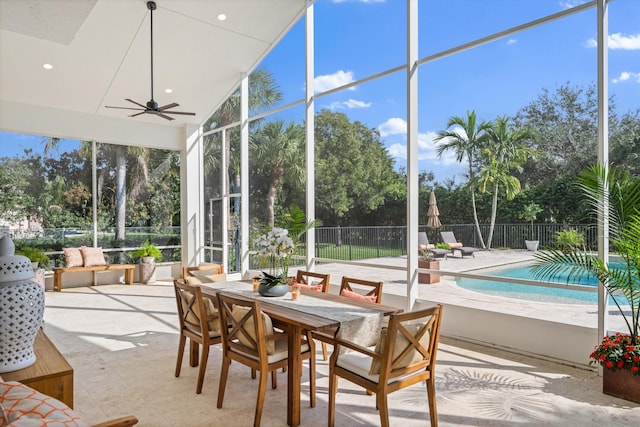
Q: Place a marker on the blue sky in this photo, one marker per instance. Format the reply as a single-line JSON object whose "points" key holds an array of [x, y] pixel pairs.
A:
{"points": [[358, 38]]}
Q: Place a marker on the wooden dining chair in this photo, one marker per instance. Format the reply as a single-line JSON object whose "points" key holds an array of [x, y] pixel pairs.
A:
{"points": [[317, 282], [405, 354], [374, 293], [199, 321], [314, 281], [252, 341]]}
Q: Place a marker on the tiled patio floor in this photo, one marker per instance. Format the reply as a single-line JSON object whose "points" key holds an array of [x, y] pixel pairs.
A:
{"points": [[122, 342]]}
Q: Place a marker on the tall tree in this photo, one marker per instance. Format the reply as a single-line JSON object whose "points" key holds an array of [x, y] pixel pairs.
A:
{"points": [[354, 172], [503, 151], [465, 140], [275, 147]]}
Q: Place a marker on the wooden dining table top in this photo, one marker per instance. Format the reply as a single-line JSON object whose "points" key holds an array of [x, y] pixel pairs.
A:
{"points": [[298, 316]]}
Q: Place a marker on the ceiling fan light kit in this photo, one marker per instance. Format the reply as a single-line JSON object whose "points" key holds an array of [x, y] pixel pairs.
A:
{"points": [[151, 106]]}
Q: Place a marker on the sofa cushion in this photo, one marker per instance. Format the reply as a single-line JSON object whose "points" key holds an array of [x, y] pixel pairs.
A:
{"points": [[92, 256], [26, 407], [73, 257]]}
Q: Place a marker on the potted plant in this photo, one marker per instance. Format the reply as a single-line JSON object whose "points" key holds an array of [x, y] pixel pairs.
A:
{"points": [[37, 257], [529, 213], [427, 260], [275, 248], [618, 354], [148, 254]]}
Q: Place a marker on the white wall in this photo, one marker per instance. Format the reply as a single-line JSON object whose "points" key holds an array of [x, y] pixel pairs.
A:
{"points": [[36, 120]]}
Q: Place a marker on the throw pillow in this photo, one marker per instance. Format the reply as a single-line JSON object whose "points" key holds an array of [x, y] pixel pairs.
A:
{"points": [[400, 345], [27, 407], [73, 257], [313, 287], [92, 256], [193, 317], [238, 313], [355, 295]]}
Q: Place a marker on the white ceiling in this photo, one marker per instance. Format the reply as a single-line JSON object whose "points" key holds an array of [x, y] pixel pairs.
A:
{"points": [[100, 51]]}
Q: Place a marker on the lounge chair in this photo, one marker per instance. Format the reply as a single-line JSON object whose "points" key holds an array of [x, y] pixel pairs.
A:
{"points": [[449, 238], [424, 245]]}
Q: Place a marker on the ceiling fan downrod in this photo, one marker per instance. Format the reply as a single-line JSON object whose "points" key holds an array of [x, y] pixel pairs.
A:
{"points": [[152, 104]]}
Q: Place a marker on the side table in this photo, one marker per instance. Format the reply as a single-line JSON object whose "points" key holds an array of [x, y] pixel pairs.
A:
{"points": [[51, 374]]}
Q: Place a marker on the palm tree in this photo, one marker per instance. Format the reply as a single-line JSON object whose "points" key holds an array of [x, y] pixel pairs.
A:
{"points": [[120, 153], [503, 152], [275, 148], [615, 193], [465, 140], [263, 94]]}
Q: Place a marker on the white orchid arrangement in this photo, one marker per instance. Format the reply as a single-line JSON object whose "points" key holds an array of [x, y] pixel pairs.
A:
{"points": [[276, 248]]}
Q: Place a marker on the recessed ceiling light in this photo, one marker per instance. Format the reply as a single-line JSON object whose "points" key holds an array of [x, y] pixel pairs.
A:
{"points": [[47, 66], [168, 90], [222, 17]]}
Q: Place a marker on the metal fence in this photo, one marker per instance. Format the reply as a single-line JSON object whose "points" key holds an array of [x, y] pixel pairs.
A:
{"points": [[340, 243]]}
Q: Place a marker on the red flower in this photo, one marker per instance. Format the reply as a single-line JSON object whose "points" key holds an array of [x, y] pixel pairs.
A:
{"points": [[609, 364], [621, 364], [635, 369], [636, 359]]}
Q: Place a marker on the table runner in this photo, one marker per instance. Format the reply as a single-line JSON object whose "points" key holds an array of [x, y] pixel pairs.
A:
{"points": [[357, 324]]}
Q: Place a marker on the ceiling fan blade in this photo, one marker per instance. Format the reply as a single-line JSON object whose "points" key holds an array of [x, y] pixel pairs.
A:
{"points": [[137, 114], [179, 112], [164, 107], [158, 113], [131, 100], [124, 108]]}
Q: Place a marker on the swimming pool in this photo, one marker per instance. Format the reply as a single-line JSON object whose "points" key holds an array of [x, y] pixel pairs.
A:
{"points": [[528, 292]]}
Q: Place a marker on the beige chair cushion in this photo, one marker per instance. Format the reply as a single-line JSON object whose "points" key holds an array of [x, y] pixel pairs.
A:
{"points": [[455, 245], [92, 256], [209, 308], [238, 313], [73, 257], [212, 278], [401, 344]]}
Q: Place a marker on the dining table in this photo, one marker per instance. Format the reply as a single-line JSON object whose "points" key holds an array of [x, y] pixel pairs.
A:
{"points": [[331, 315]]}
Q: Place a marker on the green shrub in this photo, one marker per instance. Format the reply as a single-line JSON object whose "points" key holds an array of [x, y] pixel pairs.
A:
{"points": [[443, 245], [569, 240], [35, 255]]}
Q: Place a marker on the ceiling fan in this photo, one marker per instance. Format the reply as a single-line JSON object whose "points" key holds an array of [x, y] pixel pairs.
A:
{"points": [[151, 106]]}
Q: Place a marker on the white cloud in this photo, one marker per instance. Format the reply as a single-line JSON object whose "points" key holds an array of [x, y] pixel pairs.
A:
{"points": [[512, 41], [348, 105], [568, 4], [627, 75], [330, 81], [427, 148], [393, 126], [619, 41]]}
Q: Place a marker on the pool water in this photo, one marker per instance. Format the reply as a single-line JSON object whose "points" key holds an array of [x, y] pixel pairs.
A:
{"points": [[528, 292]]}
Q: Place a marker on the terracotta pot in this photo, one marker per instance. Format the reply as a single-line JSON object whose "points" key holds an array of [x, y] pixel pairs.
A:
{"points": [[621, 383], [426, 277]]}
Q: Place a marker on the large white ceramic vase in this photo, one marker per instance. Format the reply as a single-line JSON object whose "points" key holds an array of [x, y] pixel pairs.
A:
{"points": [[21, 309]]}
